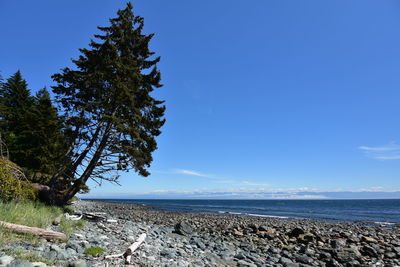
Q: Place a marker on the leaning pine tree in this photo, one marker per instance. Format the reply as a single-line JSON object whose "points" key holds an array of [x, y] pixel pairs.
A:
{"points": [[112, 120]]}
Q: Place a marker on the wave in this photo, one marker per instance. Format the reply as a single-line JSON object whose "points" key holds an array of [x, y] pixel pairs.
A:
{"points": [[266, 216]]}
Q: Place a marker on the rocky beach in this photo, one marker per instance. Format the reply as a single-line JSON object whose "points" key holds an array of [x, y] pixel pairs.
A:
{"points": [[188, 239]]}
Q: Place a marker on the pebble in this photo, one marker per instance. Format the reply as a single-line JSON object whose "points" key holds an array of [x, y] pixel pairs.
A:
{"points": [[183, 239]]}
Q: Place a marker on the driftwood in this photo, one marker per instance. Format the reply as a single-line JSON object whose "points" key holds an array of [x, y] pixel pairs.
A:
{"points": [[23, 229], [94, 217], [128, 253]]}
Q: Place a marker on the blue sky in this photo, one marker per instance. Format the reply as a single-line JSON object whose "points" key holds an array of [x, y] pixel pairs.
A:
{"points": [[295, 99]]}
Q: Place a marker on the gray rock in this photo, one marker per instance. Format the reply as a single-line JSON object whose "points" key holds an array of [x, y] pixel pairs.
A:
{"points": [[284, 260], [304, 259], [80, 263], [242, 263], [4, 260], [39, 264], [183, 228], [20, 263]]}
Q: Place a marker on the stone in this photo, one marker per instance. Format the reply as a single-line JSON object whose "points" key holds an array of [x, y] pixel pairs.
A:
{"points": [[183, 228], [20, 263], [369, 239], [238, 233], [368, 251], [338, 243], [390, 255], [306, 238], [246, 264], [39, 264], [4, 260], [80, 263], [304, 259], [296, 232], [347, 254], [284, 260]]}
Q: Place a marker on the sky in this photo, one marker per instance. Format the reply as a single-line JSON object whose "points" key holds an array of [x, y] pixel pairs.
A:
{"points": [[265, 99]]}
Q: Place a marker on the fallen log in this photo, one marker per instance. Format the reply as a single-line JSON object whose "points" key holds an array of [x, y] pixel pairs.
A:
{"points": [[128, 253], [23, 229]]}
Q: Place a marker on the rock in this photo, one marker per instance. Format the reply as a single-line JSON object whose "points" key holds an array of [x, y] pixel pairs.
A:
{"points": [[80, 263], [264, 228], [39, 264], [296, 232], [4, 260], [284, 260], [238, 233], [338, 243], [347, 254], [183, 228], [368, 251], [20, 263], [306, 238], [304, 259], [390, 255], [368, 239], [242, 263]]}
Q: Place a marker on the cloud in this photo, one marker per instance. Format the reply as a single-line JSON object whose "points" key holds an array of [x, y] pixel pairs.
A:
{"points": [[191, 172], [253, 193], [390, 151], [255, 184]]}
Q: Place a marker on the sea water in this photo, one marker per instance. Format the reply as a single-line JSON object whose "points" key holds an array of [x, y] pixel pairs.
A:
{"points": [[369, 210]]}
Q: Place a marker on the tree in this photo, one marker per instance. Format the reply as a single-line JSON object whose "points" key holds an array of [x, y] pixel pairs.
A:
{"points": [[49, 145], [111, 116], [31, 128], [16, 113]]}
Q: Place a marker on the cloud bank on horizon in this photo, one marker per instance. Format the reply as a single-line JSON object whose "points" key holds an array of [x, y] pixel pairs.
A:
{"points": [[246, 193]]}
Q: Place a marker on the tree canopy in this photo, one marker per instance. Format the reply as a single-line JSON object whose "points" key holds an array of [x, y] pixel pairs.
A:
{"points": [[111, 115]]}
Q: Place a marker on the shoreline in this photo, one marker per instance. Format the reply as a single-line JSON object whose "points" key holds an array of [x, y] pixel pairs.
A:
{"points": [[194, 239], [252, 215]]}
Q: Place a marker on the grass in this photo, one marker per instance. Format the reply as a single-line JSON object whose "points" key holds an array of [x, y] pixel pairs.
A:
{"points": [[27, 213], [68, 227], [94, 251]]}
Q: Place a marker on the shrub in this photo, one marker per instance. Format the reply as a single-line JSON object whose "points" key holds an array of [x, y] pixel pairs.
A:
{"points": [[12, 188], [94, 251]]}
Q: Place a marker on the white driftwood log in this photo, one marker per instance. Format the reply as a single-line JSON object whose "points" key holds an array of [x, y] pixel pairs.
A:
{"points": [[23, 229], [73, 217], [130, 249]]}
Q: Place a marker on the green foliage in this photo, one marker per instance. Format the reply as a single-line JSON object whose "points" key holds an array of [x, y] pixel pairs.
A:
{"points": [[94, 251], [31, 128], [28, 213], [16, 113], [68, 226], [11, 187], [111, 116]]}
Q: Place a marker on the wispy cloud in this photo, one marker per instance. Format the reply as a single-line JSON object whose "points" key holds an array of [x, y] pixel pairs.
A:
{"points": [[390, 151]]}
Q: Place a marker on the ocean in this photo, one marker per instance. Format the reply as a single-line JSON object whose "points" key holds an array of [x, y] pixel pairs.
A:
{"points": [[369, 210]]}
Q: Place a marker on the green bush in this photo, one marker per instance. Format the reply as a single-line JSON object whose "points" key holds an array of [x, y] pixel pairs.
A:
{"points": [[94, 251], [12, 188]]}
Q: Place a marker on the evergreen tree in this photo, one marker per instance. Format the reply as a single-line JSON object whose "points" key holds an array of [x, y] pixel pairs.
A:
{"points": [[16, 113], [112, 118], [31, 128], [48, 139]]}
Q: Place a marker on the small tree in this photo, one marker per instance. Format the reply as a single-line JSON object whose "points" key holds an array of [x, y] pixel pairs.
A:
{"points": [[112, 118]]}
